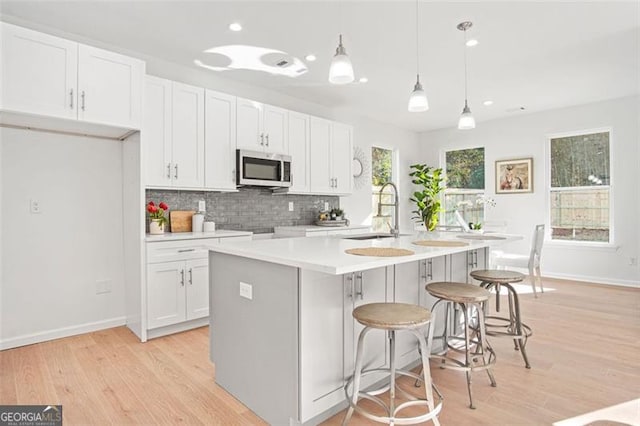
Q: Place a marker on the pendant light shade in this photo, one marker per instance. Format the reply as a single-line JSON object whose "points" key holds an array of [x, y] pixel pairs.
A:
{"points": [[341, 70], [418, 100], [466, 120]]}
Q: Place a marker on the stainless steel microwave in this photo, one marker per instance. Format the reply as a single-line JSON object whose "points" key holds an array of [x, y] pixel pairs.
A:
{"points": [[255, 168]]}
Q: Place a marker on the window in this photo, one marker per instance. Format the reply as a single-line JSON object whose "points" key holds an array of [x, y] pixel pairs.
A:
{"points": [[465, 183], [579, 192], [381, 173]]}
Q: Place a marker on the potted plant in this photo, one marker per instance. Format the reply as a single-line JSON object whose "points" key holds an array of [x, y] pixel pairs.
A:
{"points": [[156, 214], [427, 199], [337, 213]]}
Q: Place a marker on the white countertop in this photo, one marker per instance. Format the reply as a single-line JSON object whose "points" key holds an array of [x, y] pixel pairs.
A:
{"points": [[177, 236], [311, 228], [328, 254]]}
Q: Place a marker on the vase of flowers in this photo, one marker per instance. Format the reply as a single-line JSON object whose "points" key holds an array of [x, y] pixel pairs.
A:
{"points": [[157, 218]]}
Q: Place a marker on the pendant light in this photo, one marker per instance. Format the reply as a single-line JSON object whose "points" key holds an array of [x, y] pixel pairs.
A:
{"points": [[418, 100], [341, 70], [466, 120]]}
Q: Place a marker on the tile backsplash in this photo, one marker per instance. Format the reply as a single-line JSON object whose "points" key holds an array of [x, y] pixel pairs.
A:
{"points": [[251, 209]]}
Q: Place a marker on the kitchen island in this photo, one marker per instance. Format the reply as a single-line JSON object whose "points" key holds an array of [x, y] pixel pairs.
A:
{"points": [[282, 337]]}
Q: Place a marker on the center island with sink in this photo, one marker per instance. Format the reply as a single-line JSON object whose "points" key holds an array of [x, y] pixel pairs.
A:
{"points": [[282, 336]]}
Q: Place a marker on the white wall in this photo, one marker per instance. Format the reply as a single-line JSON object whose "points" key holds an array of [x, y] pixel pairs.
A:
{"points": [[52, 260], [526, 136]]}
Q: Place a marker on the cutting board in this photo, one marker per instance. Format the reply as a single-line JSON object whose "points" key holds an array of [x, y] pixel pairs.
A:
{"points": [[181, 220]]}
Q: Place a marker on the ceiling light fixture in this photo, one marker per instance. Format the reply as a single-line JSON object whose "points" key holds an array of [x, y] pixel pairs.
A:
{"points": [[341, 70], [310, 57], [418, 101], [487, 103], [363, 80], [235, 27], [466, 120], [472, 42]]}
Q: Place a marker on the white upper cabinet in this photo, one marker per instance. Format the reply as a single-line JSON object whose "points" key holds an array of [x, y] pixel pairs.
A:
{"points": [[321, 180], [299, 151], [39, 73], [187, 136], [110, 87], [220, 140], [49, 76], [331, 149], [261, 127], [156, 131], [173, 134]]}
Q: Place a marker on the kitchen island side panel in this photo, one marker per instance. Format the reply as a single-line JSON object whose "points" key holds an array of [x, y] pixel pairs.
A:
{"points": [[254, 343]]}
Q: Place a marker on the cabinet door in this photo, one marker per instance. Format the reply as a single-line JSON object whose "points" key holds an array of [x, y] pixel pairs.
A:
{"points": [[433, 270], [188, 136], [249, 125], [299, 151], [220, 140], [275, 127], [110, 87], [368, 287], [39, 73], [156, 131], [197, 285], [320, 179], [342, 157], [165, 294], [321, 342], [406, 281], [477, 260], [458, 267]]}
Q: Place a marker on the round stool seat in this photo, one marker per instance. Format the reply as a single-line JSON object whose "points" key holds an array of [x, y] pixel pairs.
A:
{"points": [[458, 292], [392, 316], [498, 276]]}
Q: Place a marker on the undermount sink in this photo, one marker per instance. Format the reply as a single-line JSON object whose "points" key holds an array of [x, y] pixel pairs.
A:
{"points": [[369, 237]]}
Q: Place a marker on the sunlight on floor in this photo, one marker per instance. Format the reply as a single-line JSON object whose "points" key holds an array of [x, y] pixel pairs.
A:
{"points": [[525, 289], [625, 413]]}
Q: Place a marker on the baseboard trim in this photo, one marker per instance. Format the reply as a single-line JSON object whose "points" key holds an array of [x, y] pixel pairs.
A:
{"points": [[593, 280], [43, 336]]}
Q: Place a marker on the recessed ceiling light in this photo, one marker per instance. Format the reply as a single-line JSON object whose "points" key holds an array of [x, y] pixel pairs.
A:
{"points": [[487, 103], [363, 79], [472, 42], [235, 27], [310, 57]]}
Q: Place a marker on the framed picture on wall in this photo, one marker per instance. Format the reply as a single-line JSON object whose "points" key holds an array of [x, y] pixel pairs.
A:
{"points": [[514, 176]]}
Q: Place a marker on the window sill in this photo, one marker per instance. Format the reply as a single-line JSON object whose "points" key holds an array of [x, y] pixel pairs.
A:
{"points": [[581, 245]]}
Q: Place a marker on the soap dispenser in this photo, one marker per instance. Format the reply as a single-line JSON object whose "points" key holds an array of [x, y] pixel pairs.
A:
{"points": [[197, 222]]}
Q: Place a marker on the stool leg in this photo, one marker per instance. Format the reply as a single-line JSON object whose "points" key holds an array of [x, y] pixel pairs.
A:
{"points": [[467, 347], [539, 278], [532, 277], [521, 340], [356, 375], [426, 372], [484, 343], [392, 379], [512, 318]]}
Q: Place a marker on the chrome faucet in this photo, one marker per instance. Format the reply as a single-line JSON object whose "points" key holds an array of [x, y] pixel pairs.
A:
{"points": [[396, 230]]}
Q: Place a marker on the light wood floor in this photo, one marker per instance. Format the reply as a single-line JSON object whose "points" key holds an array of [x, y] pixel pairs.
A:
{"points": [[585, 354]]}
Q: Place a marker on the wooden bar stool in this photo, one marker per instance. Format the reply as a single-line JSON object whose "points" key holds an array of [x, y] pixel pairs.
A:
{"points": [[478, 354], [511, 326], [393, 317]]}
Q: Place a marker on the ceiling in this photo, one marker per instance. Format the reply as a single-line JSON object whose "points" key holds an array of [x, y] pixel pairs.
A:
{"points": [[538, 55]]}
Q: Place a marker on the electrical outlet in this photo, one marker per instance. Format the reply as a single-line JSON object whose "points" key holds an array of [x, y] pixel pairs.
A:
{"points": [[290, 206], [103, 286], [202, 205], [34, 206], [246, 290]]}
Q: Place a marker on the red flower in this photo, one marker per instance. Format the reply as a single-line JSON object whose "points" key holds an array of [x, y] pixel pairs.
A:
{"points": [[152, 209], [151, 203], [163, 206]]}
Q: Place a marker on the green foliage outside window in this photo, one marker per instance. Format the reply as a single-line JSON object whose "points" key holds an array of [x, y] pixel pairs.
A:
{"points": [[465, 168], [381, 165]]}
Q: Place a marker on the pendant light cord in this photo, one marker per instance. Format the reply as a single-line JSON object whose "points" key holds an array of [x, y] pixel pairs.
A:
{"points": [[417, 43], [465, 67]]}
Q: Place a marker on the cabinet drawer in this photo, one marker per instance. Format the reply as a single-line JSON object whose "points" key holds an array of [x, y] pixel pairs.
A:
{"points": [[179, 250]]}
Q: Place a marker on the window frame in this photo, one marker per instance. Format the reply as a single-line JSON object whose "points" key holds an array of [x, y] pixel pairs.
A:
{"points": [[447, 190], [395, 173], [548, 190]]}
